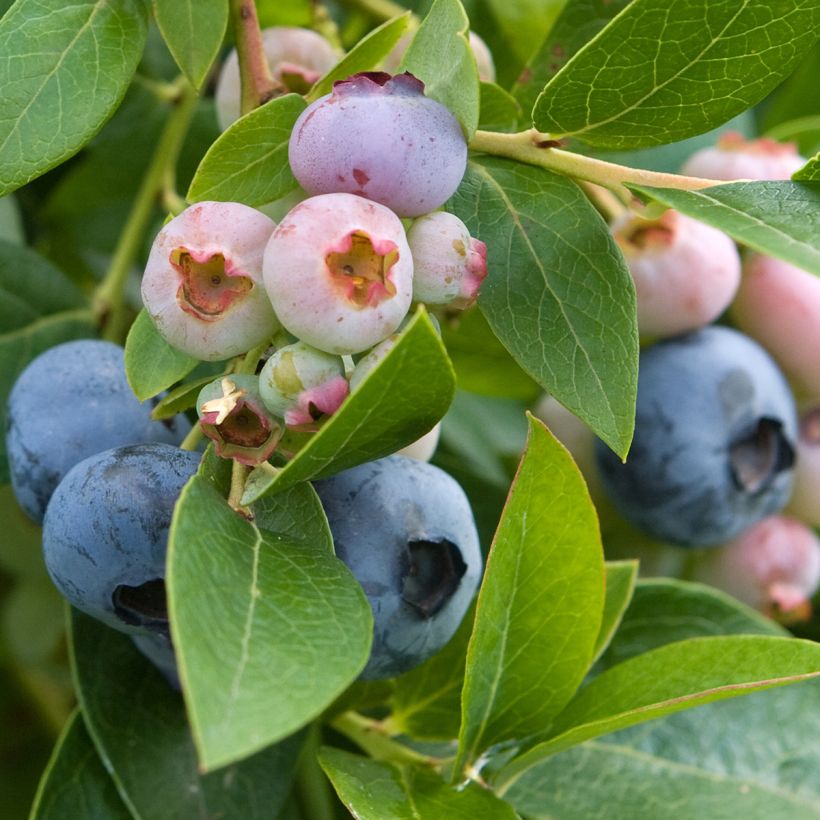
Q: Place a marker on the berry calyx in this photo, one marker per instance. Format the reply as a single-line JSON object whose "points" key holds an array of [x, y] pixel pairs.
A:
{"points": [[234, 417]]}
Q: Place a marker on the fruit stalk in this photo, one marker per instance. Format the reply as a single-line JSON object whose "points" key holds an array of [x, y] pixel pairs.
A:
{"points": [[533, 148], [257, 82], [108, 305]]}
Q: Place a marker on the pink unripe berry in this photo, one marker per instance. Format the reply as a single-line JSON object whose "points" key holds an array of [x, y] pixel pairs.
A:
{"points": [[735, 157], [303, 384], [233, 415], [297, 57], [779, 305], [686, 273], [774, 567], [448, 264], [339, 272], [805, 501], [379, 137], [203, 280]]}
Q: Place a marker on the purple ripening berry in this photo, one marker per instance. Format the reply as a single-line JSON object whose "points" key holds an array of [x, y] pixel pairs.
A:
{"points": [[203, 281], [339, 272], [379, 137]]}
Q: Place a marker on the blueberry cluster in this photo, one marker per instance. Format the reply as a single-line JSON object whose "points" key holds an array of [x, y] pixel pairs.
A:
{"points": [[336, 277], [719, 448]]}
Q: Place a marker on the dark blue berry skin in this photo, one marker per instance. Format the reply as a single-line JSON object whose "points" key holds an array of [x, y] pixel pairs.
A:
{"points": [[71, 402], [715, 432], [105, 533], [406, 531]]}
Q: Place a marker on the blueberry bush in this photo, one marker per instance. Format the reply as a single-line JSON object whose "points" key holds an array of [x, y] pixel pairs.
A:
{"points": [[412, 410]]}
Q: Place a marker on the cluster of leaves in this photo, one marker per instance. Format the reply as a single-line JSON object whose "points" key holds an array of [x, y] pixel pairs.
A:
{"points": [[538, 706]]}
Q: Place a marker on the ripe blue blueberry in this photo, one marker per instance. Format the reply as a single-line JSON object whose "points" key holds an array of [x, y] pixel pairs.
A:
{"points": [[714, 441], [106, 529], [406, 531], [71, 402]]}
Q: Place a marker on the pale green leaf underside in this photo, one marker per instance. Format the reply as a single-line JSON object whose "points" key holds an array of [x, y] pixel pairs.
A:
{"points": [[376, 790], [398, 401], [663, 71], [151, 364], [540, 604], [249, 162], [193, 30], [558, 294], [267, 631], [64, 67], [780, 219], [675, 677]]}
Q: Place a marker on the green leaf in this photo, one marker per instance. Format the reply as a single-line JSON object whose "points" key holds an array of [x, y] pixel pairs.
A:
{"points": [[486, 433], [64, 67], [151, 364], [364, 56], [558, 293], [499, 110], [661, 72], [810, 172], [441, 57], [674, 677], [399, 401], [31, 287], [482, 363], [267, 631], [578, 23], [249, 162], [193, 30], [179, 399], [373, 790], [75, 783], [20, 346], [665, 610], [11, 225], [620, 584], [427, 700], [622, 783], [707, 759], [540, 603], [781, 219], [523, 23], [139, 727]]}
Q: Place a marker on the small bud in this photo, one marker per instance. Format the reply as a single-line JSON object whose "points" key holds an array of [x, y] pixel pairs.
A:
{"points": [[233, 415], [303, 384]]}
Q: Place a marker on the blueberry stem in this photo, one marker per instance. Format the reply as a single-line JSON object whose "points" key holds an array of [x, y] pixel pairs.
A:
{"points": [[372, 738], [239, 475], [313, 791], [533, 148], [191, 441], [247, 367], [257, 82], [108, 298]]}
